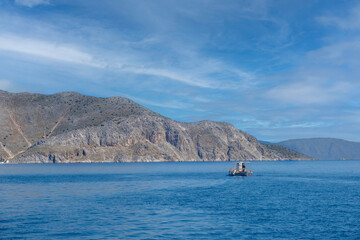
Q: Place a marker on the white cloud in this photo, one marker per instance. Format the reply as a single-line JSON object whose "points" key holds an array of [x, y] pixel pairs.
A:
{"points": [[349, 22], [307, 125], [46, 49], [310, 91], [201, 99], [253, 122], [32, 3], [327, 75], [165, 104], [198, 77], [6, 85], [172, 75], [346, 52]]}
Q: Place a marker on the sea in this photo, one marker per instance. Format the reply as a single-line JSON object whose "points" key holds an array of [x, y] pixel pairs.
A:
{"points": [[183, 200]]}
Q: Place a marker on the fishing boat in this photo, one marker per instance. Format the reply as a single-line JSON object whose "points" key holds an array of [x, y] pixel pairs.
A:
{"points": [[240, 170]]}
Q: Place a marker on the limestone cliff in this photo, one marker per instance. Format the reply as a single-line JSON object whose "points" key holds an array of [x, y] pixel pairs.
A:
{"points": [[70, 127]]}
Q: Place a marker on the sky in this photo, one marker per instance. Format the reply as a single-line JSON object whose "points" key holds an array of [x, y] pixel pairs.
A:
{"points": [[275, 69]]}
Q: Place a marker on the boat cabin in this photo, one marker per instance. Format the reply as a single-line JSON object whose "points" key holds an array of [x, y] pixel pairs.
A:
{"points": [[240, 166]]}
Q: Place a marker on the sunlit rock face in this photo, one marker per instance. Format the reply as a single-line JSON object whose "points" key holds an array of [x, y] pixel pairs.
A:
{"points": [[70, 127]]}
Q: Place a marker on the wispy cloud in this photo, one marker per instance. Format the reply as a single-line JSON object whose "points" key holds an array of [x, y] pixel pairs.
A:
{"points": [[310, 91], [173, 76], [173, 104], [46, 49], [6, 85], [329, 73], [32, 3], [339, 53], [72, 54], [253, 122], [350, 21]]}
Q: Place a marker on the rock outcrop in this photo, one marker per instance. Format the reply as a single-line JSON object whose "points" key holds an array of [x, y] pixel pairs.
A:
{"points": [[70, 127]]}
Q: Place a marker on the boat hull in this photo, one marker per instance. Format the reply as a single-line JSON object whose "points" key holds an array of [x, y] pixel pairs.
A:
{"points": [[240, 173]]}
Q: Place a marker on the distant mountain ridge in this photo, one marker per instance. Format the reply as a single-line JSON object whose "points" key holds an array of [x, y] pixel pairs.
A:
{"points": [[70, 127], [324, 148]]}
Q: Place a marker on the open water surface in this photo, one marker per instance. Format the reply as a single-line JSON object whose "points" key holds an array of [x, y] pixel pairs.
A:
{"points": [[281, 200]]}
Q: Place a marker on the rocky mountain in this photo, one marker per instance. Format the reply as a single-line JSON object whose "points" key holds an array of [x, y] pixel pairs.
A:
{"points": [[325, 148], [70, 127]]}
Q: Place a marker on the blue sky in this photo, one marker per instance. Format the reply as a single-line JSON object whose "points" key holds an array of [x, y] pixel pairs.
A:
{"points": [[275, 69]]}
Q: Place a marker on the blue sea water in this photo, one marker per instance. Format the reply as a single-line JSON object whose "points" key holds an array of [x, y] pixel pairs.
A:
{"points": [[281, 200]]}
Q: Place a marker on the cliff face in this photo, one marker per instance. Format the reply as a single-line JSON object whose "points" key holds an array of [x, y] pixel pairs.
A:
{"points": [[70, 127]]}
